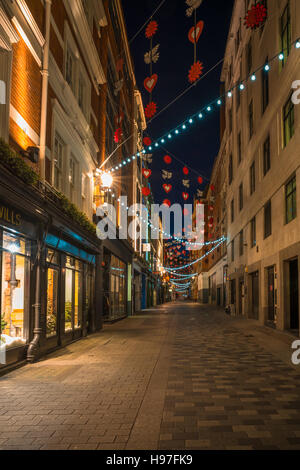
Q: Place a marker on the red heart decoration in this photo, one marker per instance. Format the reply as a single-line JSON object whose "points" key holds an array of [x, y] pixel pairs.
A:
{"points": [[167, 187], [212, 187], [194, 35], [167, 159], [200, 180], [150, 82], [146, 191], [167, 202], [146, 173], [185, 196], [185, 170]]}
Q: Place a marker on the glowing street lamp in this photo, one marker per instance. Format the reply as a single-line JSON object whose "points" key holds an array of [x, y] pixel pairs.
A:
{"points": [[106, 180]]}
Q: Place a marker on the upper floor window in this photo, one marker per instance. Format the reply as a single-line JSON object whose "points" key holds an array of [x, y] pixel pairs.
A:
{"points": [[232, 250], [290, 200], [268, 219], [239, 147], [70, 68], [251, 119], [285, 32], [252, 178], [265, 88], [72, 177], [59, 147], [253, 232], [288, 121], [230, 169], [241, 197], [241, 239], [267, 156]]}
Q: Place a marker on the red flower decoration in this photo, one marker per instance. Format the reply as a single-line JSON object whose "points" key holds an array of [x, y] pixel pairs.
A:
{"points": [[200, 180], [146, 191], [151, 29], [118, 135], [150, 110], [167, 159], [167, 202], [255, 16], [185, 171], [147, 141], [196, 71]]}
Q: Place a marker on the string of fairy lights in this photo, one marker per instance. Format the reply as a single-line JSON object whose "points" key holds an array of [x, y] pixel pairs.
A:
{"points": [[199, 115]]}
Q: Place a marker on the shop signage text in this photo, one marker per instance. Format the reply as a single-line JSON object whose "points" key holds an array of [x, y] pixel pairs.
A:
{"points": [[10, 216]]}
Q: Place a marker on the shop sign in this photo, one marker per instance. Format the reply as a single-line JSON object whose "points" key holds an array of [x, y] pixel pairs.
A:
{"points": [[10, 216], [2, 92]]}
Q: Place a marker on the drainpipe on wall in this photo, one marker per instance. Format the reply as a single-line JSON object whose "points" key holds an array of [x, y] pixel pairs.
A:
{"points": [[45, 80], [34, 346]]}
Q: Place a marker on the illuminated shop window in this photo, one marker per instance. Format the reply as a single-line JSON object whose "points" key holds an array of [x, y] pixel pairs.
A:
{"points": [[73, 294], [14, 289]]}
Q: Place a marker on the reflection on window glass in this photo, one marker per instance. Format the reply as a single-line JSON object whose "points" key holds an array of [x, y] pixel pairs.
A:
{"points": [[14, 285], [78, 300], [52, 300], [68, 300]]}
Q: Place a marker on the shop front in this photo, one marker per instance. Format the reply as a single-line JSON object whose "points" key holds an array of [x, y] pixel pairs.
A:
{"points": [[18, 245]]}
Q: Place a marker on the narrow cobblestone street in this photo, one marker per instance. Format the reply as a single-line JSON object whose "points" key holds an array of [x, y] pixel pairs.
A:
{"points": [[178, 377]]}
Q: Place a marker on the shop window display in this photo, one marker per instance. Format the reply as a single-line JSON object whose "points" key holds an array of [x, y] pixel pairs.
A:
{"points": [[73, 294], [14, 289], [117, 288]]}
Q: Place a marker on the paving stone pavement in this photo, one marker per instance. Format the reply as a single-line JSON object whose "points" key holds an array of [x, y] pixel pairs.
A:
{"points": [[182, 376]]}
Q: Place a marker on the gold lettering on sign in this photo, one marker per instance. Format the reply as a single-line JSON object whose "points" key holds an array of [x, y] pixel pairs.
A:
{"points": [[10, 216]]}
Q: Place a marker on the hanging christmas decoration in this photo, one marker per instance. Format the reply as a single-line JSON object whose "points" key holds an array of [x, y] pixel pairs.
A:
{"points": [[167, 187], [166, 202], [195, 32], [186, 183], [146, 173], [193, 5], [120, 64], [118, 135], [212, 188], [147, 157], [151, 29], [196, 71], [118, 86], [147, 141], [185, 196], [200, 180], [166, 175], [150, 82], [256, 16], [146, 191], [152, 56], [150, 110], [167, 159], [186, 211], [185, 171]]}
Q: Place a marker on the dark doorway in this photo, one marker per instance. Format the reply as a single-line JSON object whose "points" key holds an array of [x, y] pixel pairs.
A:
{"points": [[271, 294], [294, 295], [241, 296], [219, 296], [255, 294]]}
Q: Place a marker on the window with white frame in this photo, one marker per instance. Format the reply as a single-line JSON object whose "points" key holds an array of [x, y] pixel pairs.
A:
{"points": [[59, 147], [70, 68], [72, 178], [85, 181]]}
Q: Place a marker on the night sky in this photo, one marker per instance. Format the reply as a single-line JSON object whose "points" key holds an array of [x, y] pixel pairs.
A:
{"points": [[199, 145]]}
